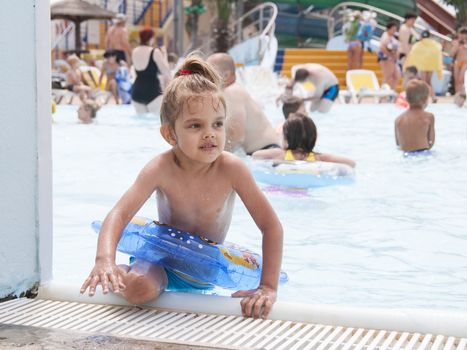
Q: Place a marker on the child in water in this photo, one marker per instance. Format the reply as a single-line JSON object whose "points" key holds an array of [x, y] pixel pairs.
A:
{"points": [[291, 104], [195, 184], [415, 128], [110, 68], [87, 111], [299, 140]]}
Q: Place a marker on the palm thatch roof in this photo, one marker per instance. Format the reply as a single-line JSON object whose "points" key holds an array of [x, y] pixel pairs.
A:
{"points": [[78, 11]]}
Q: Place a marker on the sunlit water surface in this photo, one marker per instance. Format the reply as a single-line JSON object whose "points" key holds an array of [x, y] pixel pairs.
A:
{"points": [[397, 237]]}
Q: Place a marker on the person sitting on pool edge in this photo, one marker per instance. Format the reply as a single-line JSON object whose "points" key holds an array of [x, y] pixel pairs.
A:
{"points": [[325, 82], [87, 111], [300, 136], [247, 126], [415, 128], [195, 183]]}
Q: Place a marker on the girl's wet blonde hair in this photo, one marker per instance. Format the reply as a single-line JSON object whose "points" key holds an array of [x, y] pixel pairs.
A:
{"points": [[92, 107], [195, 78]]}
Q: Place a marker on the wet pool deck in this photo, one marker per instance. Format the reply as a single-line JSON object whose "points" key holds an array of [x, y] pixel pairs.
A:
{"points": [[32, 338]]}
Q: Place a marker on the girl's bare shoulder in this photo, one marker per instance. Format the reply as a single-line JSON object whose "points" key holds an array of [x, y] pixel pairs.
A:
{"points": [[162, 161], [231, 163]]}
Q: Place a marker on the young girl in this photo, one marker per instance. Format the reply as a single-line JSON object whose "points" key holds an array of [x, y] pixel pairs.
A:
{"points": [[195, 184], [299, 140], [109, 69], [355, 47]]}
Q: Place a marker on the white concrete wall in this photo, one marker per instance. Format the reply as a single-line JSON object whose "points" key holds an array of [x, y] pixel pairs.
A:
{"points": [[25, 151]]}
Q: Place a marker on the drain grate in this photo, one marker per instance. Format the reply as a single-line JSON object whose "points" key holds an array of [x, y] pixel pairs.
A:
{"points": [[220, 331]]}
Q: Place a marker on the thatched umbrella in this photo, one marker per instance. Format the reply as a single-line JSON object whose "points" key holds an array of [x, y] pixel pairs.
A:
{"points": [[78, 11]]}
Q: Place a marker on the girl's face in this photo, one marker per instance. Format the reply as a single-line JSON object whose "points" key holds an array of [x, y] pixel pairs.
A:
{"points": [[200, 131]]}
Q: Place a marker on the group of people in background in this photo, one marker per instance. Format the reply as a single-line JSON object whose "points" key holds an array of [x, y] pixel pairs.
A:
{"points": [[401, 48], [403, 54], [204, 110], [150, 66]]}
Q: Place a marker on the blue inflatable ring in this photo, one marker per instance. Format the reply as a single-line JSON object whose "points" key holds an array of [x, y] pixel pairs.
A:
{"points": [[302, 174], [225, 265]]}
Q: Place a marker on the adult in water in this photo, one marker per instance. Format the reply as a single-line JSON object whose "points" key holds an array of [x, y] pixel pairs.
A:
{"points": [[247, 125], [325, 82], [152, 73]]}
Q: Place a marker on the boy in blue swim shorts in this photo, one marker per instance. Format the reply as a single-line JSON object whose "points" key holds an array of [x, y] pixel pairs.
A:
{"points": [[195, 183], [180, 282]]}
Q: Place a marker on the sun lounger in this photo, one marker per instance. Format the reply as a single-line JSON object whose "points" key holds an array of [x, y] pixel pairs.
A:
{"points": [[90, 77], [363, 83]]}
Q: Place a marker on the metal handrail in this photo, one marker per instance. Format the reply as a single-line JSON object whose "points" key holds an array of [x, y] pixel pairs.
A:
{"points": [[331, 22], [268, 29], [262, 8]]}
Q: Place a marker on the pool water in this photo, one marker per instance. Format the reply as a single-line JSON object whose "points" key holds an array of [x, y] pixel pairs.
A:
{"points": [[396, 237]]}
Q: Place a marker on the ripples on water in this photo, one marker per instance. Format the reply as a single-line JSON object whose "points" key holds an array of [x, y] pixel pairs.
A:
{"points": [[395, 238]]}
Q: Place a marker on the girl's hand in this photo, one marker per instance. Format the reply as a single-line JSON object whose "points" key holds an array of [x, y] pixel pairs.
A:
{"points": [[104, 272], [256, 302]]}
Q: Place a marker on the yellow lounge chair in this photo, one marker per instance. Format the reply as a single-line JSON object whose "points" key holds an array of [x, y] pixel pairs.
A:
{"points": [[363, 83], [90, 76]]}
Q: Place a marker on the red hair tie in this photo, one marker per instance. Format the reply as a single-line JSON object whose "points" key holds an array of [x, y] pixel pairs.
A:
{"points": [[185, 72]]}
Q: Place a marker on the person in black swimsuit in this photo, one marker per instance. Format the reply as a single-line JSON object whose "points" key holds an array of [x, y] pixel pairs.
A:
{"points": [[147, 88]]}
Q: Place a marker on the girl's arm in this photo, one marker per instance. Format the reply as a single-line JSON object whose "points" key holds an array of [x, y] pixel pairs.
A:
{"points": [[272, 153], [258, 302], [105, 270], [324, 157]]}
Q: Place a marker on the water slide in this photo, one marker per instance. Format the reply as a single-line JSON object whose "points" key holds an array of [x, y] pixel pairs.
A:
{"points": [[436, 16], [292, 26]]}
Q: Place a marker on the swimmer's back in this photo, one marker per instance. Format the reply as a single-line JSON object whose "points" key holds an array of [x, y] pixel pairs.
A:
{"points": [[413, 129], [258, 131]]}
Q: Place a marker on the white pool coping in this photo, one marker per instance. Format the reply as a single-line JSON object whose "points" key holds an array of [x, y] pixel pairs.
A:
{"points": [[445, 322]]}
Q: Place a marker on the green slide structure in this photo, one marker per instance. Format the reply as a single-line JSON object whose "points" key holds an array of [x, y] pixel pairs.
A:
{"points": [[292, 27]]}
